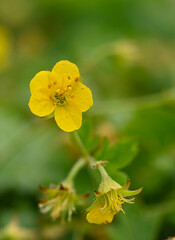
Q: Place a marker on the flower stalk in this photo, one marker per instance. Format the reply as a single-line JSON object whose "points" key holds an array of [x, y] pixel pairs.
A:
{"points": [[86, 156], [74, 171], [102, 171], [81, 145]]}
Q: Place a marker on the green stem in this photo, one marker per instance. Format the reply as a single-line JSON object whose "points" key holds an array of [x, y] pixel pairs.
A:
{"points": [[74, 170], [88, 159], [102, 171], [81, 145]]}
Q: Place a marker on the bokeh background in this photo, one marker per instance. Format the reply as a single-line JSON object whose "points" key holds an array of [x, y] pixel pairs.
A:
{"points": [[125, 51]]}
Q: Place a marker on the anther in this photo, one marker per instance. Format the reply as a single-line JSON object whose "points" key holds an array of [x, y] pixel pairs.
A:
{"points": [[58, 90], [76, 79], [54, 82], [68, 77], [49, 86]]}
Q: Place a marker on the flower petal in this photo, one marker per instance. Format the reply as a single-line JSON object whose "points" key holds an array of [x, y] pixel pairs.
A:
{"points": [[126, 186], [49, 191], [40, 103], [100, 212], [82, 96], [69, 72], [127, 193], [41, 80], [68, 117]]}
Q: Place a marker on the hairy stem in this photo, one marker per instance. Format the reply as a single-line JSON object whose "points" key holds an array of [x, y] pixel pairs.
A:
{"points": [[102, 171], [75, 169], [87, 157], [81, 145]]}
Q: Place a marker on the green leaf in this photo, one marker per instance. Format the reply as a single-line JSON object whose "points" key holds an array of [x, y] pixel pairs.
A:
{"points": [[135, 225], [99, 155], [120, 154], [119, 176], [29, 147], [154, 127]]}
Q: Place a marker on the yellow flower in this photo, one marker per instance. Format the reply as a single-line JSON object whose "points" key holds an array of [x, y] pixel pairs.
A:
{"points": [[60, 201], [109, 199], [61, 92]]}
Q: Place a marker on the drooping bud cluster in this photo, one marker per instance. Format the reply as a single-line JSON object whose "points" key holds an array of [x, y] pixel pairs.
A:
{"points": [[109, 199], [61, 201]]}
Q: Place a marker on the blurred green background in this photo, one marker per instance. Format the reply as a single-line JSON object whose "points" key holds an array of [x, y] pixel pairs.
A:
{"points": [[125, 51]]}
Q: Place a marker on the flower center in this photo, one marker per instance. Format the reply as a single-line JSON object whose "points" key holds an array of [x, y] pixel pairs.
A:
{"points": [[59, 98]]}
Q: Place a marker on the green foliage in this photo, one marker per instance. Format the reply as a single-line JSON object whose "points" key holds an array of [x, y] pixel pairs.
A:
{"points": [[87, 136], [119, 155], [125, 52], [29, 147], [138, 224]]}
